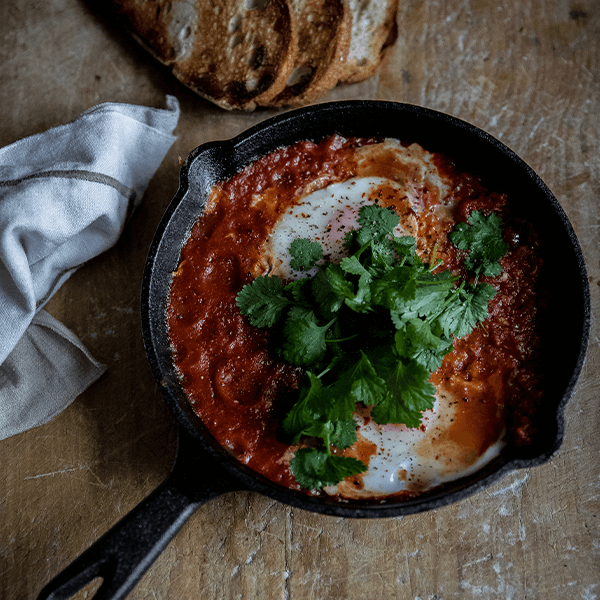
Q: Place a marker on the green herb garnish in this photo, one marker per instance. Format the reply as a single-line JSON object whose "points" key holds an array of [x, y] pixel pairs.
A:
{"points": [[370, 330], [482, 238]]}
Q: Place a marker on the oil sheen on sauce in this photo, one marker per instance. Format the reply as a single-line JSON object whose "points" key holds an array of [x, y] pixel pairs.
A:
{"points": [[487, 387]]}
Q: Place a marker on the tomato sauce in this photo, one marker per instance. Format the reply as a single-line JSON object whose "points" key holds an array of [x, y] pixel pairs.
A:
{"points": [[502, 355], [232, 378]]}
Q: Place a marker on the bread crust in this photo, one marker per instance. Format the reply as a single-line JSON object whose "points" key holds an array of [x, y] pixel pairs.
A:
{"points": [[240, 54], [374, 30], [235, 53], [324, 28]]}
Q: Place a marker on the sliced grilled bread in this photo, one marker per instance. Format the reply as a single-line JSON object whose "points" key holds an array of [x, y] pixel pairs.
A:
{"points": [[235, 53], [323, 43], [374, 29], [241, 54]]}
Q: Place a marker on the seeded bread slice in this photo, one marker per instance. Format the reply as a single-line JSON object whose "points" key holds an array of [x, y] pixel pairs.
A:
{"points": [[374, 29], [323, 44], [235, 53]]}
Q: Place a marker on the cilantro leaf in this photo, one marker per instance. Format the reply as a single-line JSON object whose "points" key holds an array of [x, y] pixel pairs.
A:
{"points": [[419, 341], [311, 416], [344, 433], [430, 293], [306, 409], [263, 301], [298, 312], [394, 287], [315, 402], [360, 383], [352, 264], [315, 468], [372, 242], [410, 393], [305, 254], [468, 307], [341, 434], [304, 342], [405, 248], [329, 297], [376, 223], [298, 291], [482, 238], [338, 283], [360, 301]]}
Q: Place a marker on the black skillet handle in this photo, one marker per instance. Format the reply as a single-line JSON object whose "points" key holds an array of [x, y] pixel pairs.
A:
{"points": [[127, 550]]}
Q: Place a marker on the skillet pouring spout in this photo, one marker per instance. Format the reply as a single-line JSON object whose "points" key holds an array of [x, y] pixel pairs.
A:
{"points": [[127, 550]]}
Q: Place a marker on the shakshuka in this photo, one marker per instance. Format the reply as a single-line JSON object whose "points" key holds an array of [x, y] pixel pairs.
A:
{"points": [[487, 389]]}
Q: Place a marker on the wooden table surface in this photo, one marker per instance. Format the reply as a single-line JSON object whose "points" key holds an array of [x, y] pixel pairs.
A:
{"points": [[528, 72]]}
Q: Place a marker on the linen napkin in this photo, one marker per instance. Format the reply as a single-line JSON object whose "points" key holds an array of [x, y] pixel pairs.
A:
{"points": [[65, 195]]}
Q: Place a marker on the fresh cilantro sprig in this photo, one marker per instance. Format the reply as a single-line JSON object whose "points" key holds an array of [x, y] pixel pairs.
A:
{"points": [[315, 468], [264, 301], [369, 330], [482, 238]]}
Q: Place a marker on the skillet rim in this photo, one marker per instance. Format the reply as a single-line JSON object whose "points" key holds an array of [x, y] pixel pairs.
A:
{"points": [[234, 154]]}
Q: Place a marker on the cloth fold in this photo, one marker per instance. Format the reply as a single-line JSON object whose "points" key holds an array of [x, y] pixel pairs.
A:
{"points": [[65, 195], [63, 369]]}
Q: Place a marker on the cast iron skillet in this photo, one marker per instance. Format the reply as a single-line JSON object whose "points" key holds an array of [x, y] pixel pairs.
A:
{"points": [[202, 468]]}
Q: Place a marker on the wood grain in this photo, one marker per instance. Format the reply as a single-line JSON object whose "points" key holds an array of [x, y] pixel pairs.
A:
{"points": [[526, 71]]}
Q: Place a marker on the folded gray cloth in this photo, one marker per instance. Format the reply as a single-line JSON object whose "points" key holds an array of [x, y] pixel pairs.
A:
{"points": [[65, 195]]}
